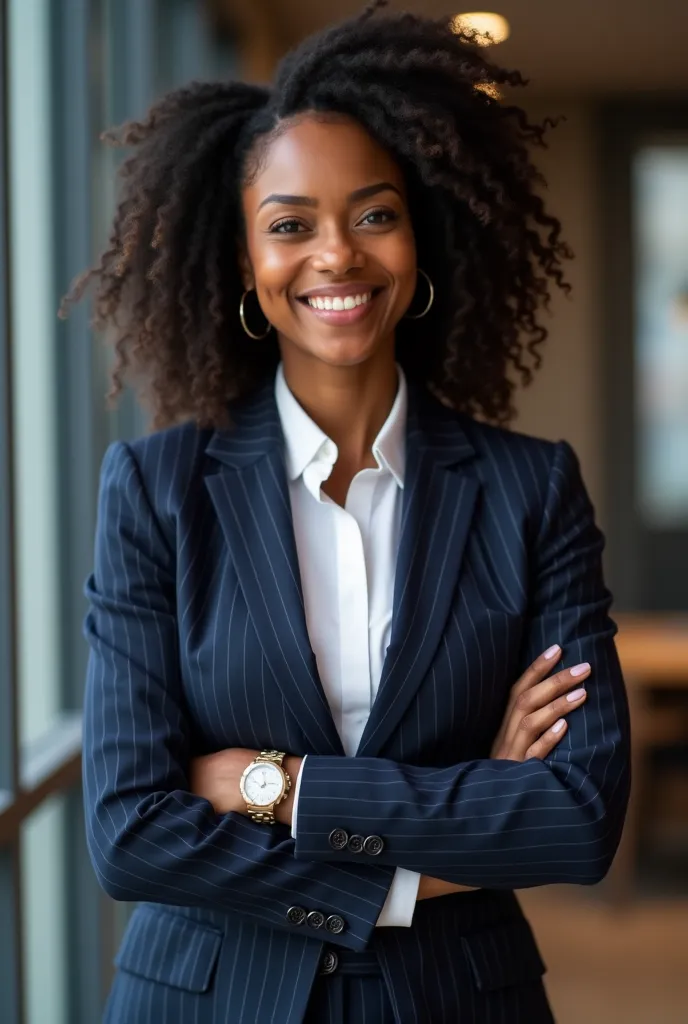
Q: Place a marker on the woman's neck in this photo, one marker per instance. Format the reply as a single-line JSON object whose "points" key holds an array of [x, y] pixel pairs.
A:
{"points": [[349, 403]]}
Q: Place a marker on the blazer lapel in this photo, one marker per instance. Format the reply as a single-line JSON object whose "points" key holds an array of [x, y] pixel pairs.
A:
{"points": [[251, 498], [438, 503]]}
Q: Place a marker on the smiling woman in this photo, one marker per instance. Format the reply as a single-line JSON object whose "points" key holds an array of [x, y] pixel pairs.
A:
{"points": [[317, 704], [402, 108], [333, 261]]}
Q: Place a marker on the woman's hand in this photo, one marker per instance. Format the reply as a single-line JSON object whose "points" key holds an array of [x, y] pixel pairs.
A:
{"points": [[535, 708], [216, 778], [533, 722]]}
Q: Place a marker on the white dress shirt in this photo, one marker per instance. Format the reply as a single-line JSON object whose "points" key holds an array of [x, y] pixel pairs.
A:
{"points": [[347, 560]]}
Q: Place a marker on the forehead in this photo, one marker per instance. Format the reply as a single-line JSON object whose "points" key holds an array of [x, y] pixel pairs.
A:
{"points": [[322, 155]]}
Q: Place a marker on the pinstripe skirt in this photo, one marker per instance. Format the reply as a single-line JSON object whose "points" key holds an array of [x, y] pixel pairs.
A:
{"points": [[349, 989]]}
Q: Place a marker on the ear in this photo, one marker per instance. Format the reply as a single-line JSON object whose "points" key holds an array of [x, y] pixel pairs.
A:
{"points": [[245, 269]]}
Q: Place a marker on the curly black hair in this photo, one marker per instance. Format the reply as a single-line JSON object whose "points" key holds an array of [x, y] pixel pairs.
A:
{"points": [[168, 283]]}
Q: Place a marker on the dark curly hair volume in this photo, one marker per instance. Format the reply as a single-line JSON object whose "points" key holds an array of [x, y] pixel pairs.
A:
{"points": [[168, 285]]}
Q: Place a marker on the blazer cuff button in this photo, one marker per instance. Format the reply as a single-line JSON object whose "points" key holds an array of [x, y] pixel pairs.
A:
{"points": [[315, 919], [355, 844], [373, 845], [335, 924], [338, 838], [296, 915]]}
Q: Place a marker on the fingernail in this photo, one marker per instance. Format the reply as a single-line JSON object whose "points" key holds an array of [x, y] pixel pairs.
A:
{"points": [[551, 651], [579, 670], [575, 694], [558, 726]]}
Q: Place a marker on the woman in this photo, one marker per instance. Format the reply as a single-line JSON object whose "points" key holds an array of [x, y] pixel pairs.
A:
{"points": [[311, 748]]}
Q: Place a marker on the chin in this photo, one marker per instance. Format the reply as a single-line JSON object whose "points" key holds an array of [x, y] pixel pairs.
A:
{"points": [[344, 351]]}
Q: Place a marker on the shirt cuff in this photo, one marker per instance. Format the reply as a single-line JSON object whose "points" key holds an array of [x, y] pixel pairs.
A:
{"points": [[297, 786], [400, 904]]}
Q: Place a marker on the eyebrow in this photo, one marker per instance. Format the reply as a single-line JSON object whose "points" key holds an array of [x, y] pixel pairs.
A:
{"points": [[360, 193]]}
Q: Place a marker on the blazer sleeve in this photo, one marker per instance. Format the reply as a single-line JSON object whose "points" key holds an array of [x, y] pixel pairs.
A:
{"points": [[496, 823], [149, 838]]}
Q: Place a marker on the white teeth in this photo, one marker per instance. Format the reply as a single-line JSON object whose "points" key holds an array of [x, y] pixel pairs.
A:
{"points": [[349, 302]]}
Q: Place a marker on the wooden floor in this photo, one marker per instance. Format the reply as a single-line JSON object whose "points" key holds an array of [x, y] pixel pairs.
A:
{"points": [[607, 966]]}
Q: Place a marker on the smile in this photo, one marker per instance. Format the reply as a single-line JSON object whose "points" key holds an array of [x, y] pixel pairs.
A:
{"points": [[339, 310], [329, 302]]}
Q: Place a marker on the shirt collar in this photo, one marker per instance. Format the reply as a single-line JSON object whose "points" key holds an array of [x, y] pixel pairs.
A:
{"points": [[304, 438]]}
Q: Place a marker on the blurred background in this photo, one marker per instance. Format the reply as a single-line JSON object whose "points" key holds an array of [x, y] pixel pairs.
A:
{"points": [[614, 383]]}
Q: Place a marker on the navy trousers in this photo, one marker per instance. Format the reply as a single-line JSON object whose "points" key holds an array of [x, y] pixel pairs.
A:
{"points": [[349, 989]]}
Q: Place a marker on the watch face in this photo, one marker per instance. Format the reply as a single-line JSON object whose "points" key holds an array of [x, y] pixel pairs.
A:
{"points": [[263, 784]]}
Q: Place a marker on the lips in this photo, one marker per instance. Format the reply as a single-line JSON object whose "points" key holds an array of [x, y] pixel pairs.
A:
{"points": [[341, 305], [339, 302]]}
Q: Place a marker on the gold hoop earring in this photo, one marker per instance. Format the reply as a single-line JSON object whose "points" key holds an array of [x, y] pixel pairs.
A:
{"points": [[431, 299], [242, 317]]}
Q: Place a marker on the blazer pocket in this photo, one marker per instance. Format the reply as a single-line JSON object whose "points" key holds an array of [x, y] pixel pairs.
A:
{"points": [[506, 954], [169, 949]]}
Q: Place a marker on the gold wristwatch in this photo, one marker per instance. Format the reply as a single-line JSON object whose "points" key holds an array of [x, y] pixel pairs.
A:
{"points": [[264, 784]]}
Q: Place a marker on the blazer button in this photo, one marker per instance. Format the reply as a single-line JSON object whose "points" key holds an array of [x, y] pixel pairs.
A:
{"points": [[338, 838], [355, 844], [335, 924], [329, 962], [315, 919], [373, 845], [296, 915]]}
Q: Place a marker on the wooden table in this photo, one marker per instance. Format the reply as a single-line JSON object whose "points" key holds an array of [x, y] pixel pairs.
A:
{"points": [[653, 649]]}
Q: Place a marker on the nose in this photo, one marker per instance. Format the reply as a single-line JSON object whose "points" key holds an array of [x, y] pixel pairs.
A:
{"points": [[338, 253]]}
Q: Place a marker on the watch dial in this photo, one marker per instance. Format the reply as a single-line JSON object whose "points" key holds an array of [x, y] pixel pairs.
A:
{"points": [[263, 784]]}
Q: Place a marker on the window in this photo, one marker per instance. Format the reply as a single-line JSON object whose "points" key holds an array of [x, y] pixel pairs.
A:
{"points": [[67, 71], [660, 217], [644, 216]]}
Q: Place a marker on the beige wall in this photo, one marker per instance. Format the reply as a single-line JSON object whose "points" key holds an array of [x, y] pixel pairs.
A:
{"points": [[566, 399]]}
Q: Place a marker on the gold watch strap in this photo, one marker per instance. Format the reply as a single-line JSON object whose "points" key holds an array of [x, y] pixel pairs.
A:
{"points": [[266, 815], [262, 817], [271, 755]]}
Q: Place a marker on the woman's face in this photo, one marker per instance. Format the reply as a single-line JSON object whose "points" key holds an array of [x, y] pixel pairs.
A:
{"points": [[329, 244]]}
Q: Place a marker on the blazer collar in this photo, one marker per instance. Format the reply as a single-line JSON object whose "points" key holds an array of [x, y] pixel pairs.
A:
{"points": [[304, 438], [257, 429]]}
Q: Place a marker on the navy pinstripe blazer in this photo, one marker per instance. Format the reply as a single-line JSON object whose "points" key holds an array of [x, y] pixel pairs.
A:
{"points": [[198, 642]]}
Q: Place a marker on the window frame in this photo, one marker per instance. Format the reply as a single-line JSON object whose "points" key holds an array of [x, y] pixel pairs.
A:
{"points": [[11, 944]]}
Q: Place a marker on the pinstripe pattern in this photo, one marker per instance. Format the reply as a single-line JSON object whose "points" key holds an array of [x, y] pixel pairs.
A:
{"points": [[348, 999], [198, 642]]}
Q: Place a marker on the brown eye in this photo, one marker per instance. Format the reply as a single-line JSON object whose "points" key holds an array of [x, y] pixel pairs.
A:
{"points": [[377, 218], [287, 227]]}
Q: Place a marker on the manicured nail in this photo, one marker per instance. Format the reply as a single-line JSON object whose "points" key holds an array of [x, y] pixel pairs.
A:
{"points": [[551, 651], [558, 726], [575, 694], [579, 670]]}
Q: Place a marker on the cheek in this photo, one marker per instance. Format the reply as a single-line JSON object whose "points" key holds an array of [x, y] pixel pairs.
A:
{"points": [[273, 267], [274, 271], [400, 261]]}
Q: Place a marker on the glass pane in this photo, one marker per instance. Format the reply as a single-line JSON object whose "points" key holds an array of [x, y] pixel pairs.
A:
{"points": [[43, 906], [33, 333], [660, 199]]}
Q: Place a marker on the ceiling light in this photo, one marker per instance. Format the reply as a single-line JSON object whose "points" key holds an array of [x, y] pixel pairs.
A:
{"points": [[490, 89], [485, 28]]}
